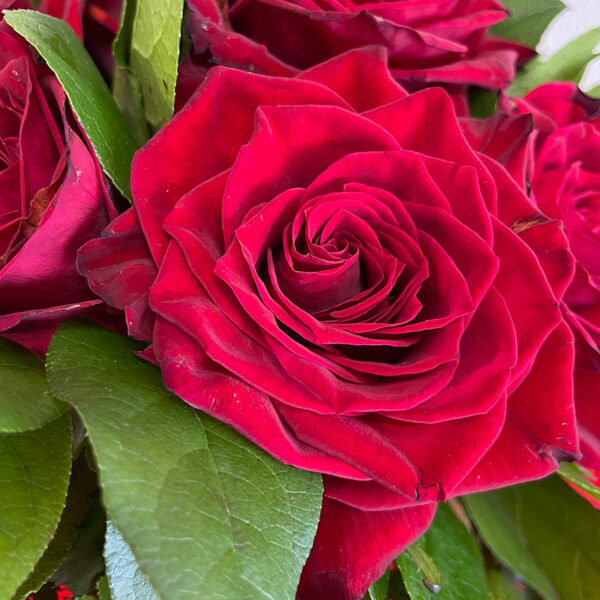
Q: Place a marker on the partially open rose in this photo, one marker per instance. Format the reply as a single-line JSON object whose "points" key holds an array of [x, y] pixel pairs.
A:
{"points": [[346, 282], [428, 41], [52, 200]]}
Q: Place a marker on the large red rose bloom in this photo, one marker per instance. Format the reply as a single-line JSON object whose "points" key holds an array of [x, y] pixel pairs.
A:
{"points": [[344, 280]]}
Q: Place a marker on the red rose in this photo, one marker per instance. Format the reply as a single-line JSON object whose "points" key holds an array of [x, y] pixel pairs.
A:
{"points": [[342, 281], [428, 41], [96, 22], [52, 200], [553, 149]]}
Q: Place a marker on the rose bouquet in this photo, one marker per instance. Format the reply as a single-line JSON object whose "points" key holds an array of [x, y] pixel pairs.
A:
{"points": [[299, 300]]}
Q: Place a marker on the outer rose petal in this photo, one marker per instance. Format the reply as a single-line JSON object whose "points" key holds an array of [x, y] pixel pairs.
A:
{"points": [[360, 76], [534, 436], [353, 548], [209, 32], [34, 328], [506, 139], [587, 395], [120, 269]]}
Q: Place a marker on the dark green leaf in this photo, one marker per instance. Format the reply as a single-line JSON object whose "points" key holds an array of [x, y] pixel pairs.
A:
{"points": [[528, 21], [127, 581], [122, 43], [205, 513], [568, 64], [84, 561], [25, 401], [546, 533], [578, 476], [90, 98], [482, 103], [446, 552], [397, 589], [34, 477]]}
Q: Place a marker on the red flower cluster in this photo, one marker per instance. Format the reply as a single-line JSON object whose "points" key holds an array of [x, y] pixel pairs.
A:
{"points": [[329, 259], [62, 593]]}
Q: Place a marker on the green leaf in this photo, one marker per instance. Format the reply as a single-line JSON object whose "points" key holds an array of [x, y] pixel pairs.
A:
{"points": [[546, 533], [147, 53], [85, 560], [482, 103], [446, 552], [25, 401], [568, 64], [528, 21], [578, 476], [125, 86], [379, 590], [127, 581], [89, 96], [205, 513], [103, 588], [77, 505], [594, 92], [500, 588], [34, 476]]}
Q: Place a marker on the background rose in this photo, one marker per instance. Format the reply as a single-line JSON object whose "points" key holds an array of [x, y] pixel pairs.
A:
{"points": [[550, 141], [342, 281], [433, 41], [52, 200]]}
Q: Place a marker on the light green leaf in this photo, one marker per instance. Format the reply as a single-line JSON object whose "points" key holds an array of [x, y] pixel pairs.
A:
{"points": [[127, 582], [528, 21], [25, 401], [546, 533], [205, 513], [34, 476], [147, 50], [578, 476], [125, 86], [89, 96], [446, 555], [594, 92], [568, 64]]}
